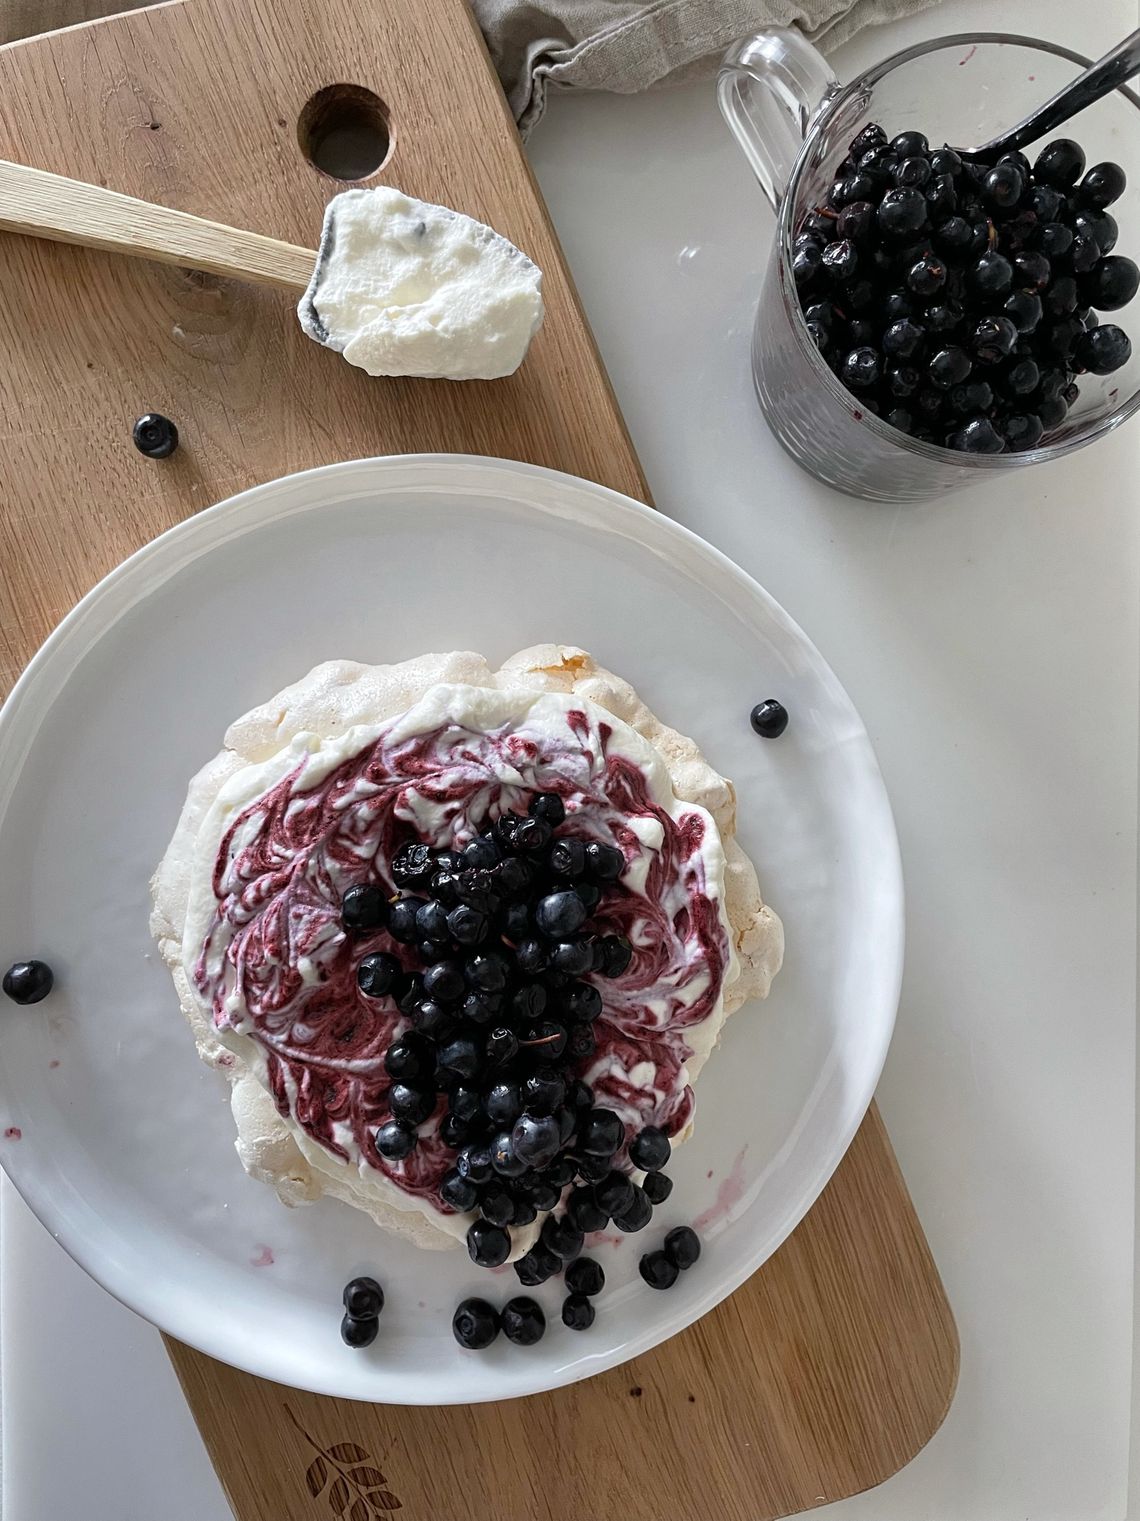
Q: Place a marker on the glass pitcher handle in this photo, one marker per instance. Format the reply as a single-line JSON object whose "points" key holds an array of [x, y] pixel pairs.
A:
{"points": [[770, 87]]}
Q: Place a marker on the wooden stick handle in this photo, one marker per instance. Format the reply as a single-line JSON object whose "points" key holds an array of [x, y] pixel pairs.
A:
{"points": [[43, 205]]}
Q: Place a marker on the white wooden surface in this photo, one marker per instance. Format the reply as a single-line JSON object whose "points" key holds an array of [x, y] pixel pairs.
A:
{"points": [[991, 643]]}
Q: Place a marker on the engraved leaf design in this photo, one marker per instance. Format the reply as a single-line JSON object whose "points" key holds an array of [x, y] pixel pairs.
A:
{"points": [[384, 1499], [315, 1476], [338, 1496], [359, 1511], [371, 1478], [348, 1452]]}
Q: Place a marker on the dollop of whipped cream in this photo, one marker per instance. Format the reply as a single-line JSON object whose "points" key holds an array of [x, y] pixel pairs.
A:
{"points": [[263, 941], [403, 287]]}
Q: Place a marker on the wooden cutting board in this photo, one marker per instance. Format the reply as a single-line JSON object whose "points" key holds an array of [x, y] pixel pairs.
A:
{"points": [[833, 1365]]}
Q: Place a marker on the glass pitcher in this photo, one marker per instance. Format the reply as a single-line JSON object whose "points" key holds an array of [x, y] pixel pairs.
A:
{"points": [[794, 121]]}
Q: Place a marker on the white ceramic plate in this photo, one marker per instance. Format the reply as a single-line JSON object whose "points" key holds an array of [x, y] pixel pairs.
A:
{"points": [[125, 1146]]}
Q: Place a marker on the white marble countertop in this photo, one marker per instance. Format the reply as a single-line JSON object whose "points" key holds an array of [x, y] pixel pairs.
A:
{"points": [[992, 644]]}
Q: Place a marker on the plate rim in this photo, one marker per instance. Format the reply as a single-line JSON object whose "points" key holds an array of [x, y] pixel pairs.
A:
{"points": [[435, 468]]}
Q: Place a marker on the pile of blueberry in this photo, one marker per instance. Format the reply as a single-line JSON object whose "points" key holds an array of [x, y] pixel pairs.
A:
{"points": [[501, 1008], [958, 300], [476, 1323], [680, 1250], [501, 1014]]}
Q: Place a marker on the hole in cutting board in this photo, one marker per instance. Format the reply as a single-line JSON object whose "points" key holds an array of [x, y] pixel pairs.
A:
{"points": [[343, 131]]}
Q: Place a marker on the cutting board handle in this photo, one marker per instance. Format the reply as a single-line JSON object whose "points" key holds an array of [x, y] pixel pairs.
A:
{"points": [[42, 205]]}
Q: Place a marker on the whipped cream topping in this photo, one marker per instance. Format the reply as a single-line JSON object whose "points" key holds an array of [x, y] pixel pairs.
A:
{"points": [[403, 287], [266, 952]]}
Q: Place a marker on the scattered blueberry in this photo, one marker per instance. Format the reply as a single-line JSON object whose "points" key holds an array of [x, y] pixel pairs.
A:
{"points": [[593, 1169], [1060, 164], [562, 1237], [657, 1270], [410, 1104], [155, 436], [377, 974], [650, 1150], [861, 369], [1112, 284], [1102, 184], [949, 367], [357, 1332], [498, 1206], [28, 981], [574, 957], [363, 1298], [522, 1321], [548, 806], [605, 863], [461, 1056], [682, 1247], [433, 1019], [503, 1103], [363, 909], [901, 211], [585, 1276], [483, 852], [769, 718], [535, 1139], [560, 914], [536, 1266], [1103, 350], [413, 865], [615, 1193], [544, 1193], [409, 1057], [601, 1134], [577, 1312], [616, 954], [444, 981], [474, 1162], [502, 1045], [531, 836], [1003, 186], [526, 1212], [637, 1214], [585, 1211], [402, 920], [979, 436], [475, 1324], [395, 1140], [504, 1159], [543, 1093], [458, 1192], [488, 1245], [657, 1187]]}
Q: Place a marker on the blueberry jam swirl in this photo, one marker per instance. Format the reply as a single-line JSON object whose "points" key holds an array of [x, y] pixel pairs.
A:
{"points": [[273, 960]]}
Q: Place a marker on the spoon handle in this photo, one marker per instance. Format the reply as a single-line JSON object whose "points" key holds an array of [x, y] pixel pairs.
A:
{"points": [[1097, 80], [43, 205]]}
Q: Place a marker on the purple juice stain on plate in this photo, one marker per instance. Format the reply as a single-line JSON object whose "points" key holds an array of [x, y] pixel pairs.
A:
{"points": [[729, 1194]]}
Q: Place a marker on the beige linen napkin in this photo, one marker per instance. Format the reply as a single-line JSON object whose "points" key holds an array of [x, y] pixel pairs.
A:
{"points": [[579, 44]]}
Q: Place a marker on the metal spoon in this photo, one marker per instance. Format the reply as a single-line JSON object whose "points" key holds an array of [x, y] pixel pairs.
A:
{"points": [[1097, 80]]}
